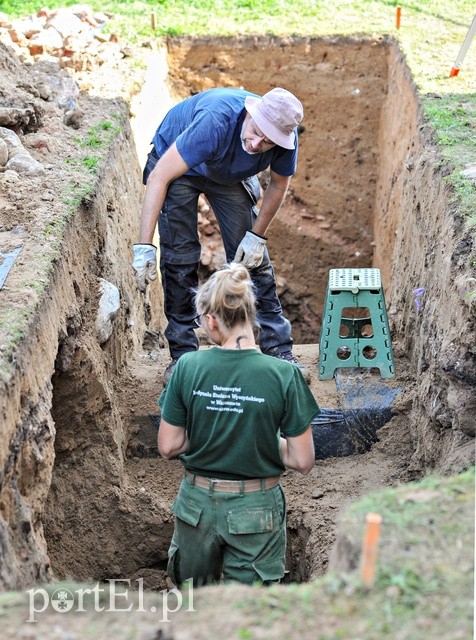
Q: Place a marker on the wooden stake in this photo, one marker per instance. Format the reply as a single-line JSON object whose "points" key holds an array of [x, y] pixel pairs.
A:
{"points": [[153, 21], [370, 548], [398, 17]]}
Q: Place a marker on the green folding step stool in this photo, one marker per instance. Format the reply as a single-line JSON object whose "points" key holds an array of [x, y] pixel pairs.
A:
{"points": [[354, 331]]}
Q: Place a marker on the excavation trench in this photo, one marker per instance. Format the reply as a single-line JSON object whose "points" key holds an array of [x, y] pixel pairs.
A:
{"points": [[104, 507], [327, 221]]}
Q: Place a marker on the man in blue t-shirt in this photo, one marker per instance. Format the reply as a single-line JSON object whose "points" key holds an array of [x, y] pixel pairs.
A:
{"points": [[215, 143]]}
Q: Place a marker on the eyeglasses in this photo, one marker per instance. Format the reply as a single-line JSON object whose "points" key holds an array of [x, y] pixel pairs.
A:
{"points": [[198, 319]]}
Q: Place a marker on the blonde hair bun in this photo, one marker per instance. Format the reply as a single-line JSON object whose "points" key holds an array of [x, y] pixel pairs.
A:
{"points": [[228, 295]]}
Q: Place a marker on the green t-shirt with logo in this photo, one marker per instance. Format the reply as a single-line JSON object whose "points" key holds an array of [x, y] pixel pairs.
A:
{"points": [[235, 404]]}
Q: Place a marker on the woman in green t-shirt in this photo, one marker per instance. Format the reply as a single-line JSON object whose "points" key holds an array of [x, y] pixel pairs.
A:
{"points": [[236, 418]]}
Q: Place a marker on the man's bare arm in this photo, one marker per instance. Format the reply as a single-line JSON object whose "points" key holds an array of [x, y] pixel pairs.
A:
{"points": [[272, 200], [170, 166]]}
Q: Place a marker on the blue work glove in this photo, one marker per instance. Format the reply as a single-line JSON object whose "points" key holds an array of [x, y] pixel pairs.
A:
{"points": [[144, 264], [250, 250]]}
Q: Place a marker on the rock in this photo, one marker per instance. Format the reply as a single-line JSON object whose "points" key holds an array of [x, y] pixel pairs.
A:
{"points": [[65, 23], [63, 89], [27, 117], [10, 176], [317, 494], [14, 116], [27, 27], [73, 118], [15, 151], [469, 171], [44, 91], [3, 153], [24, 163], [109, 305], [11, 139]]}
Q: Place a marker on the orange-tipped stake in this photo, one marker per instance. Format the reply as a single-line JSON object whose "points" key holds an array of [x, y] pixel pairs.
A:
{"points": [[398, 17], [370, 548], [464, 50]]}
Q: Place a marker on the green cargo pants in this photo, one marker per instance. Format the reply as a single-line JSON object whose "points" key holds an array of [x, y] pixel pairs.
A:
{"points": [[240, 537]]}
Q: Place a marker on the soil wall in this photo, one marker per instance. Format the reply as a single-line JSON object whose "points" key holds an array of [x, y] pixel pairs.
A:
{"points": [[60, 367], [415, 223]]}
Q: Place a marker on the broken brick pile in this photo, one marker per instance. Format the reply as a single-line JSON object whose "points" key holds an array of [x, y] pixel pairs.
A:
{"points": [[74, 37]]}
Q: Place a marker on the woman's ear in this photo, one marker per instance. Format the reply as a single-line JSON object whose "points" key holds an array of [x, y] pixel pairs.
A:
{"points": [[212, 322]]}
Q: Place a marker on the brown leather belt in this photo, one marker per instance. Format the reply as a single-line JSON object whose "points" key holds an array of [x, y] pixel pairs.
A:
{"points": [[232, 486]]}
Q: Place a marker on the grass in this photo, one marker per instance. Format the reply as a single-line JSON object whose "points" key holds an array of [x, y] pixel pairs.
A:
{"points": [[431, 32], [423, 586], [100, 135]]}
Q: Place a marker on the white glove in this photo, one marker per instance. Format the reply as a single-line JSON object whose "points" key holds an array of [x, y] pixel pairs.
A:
{"points": [[250, 250], [144, 264]]}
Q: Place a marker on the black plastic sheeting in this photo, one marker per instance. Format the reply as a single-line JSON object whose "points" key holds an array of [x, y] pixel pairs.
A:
{"points": [[339, 433], [365, 406]]}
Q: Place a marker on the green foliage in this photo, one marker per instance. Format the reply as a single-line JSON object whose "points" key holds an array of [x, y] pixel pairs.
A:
{"points": [[74, 195], [464, 196], [424, 577], [99, 135], [91, 162], [453, 118]]}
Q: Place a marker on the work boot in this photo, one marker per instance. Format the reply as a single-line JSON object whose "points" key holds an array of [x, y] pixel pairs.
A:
{"points": [[169, 370], [289, 357]]}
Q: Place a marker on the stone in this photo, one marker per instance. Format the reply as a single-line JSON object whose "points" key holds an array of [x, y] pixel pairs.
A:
{"points": [[109, 305], [73, 118], [25, 164], [469, 171], [15, 116], [11, 139], [65, 23], [48, 40], [10, 176], [3, 153]]}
